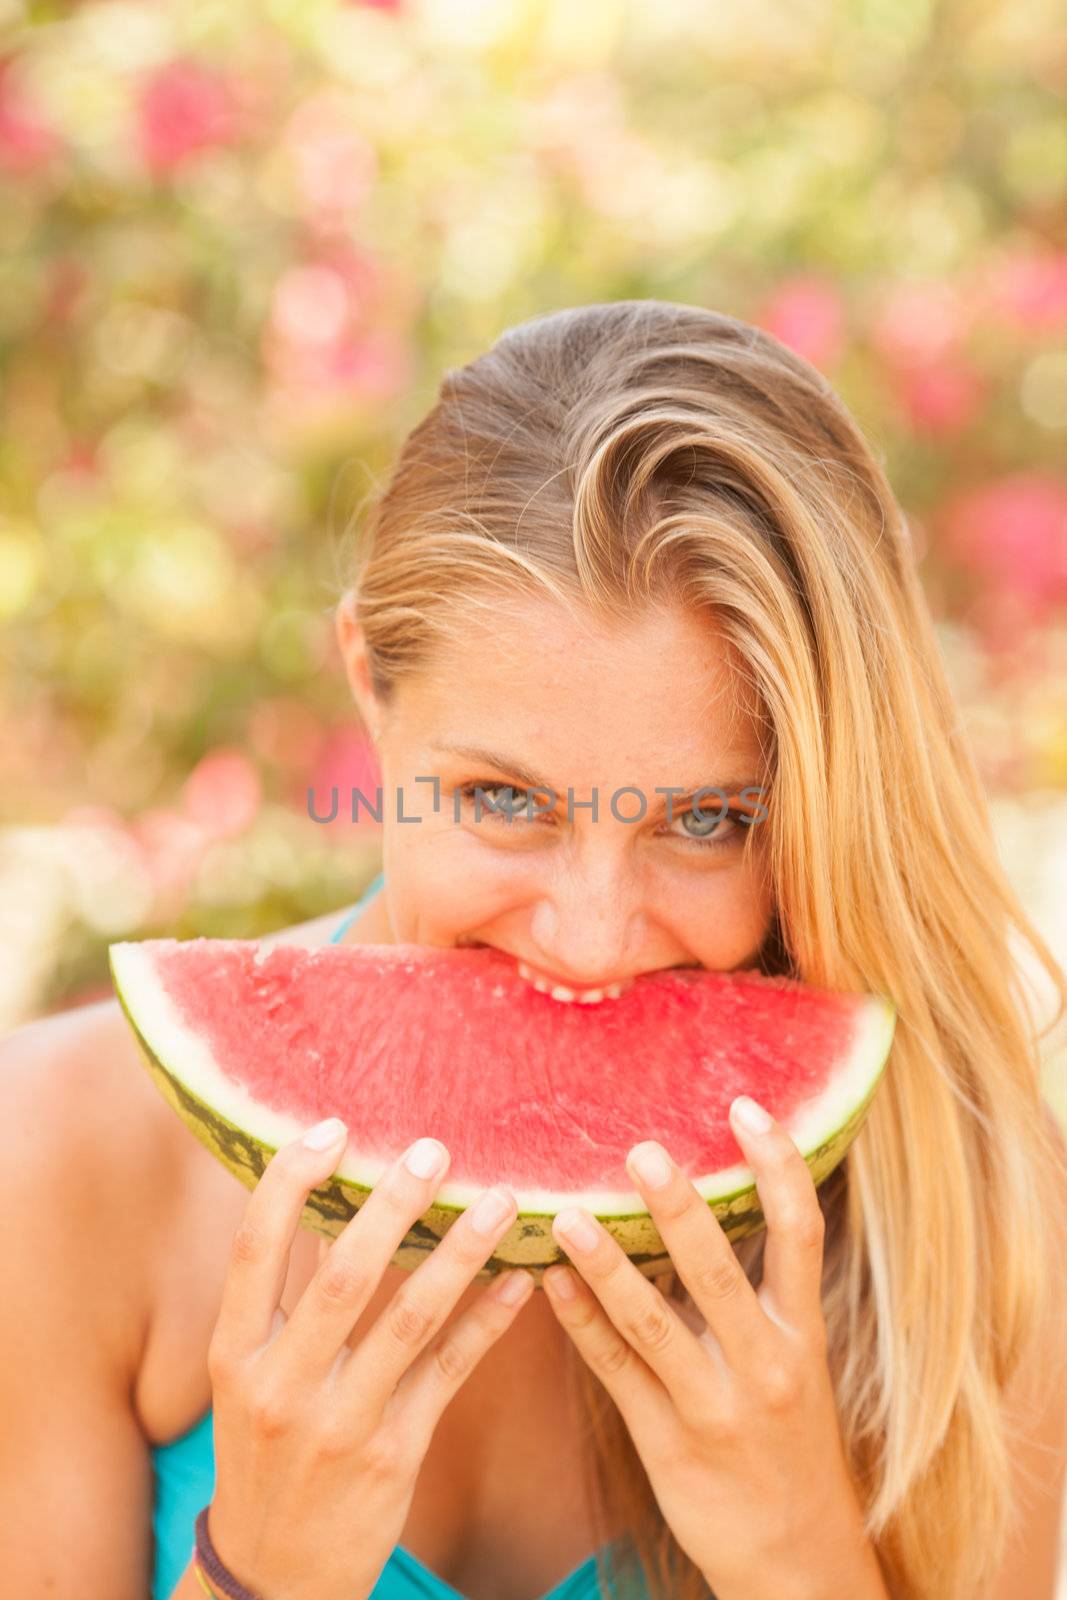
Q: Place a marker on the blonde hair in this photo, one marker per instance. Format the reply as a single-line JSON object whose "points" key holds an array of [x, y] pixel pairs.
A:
{"points": [[617, 455]]}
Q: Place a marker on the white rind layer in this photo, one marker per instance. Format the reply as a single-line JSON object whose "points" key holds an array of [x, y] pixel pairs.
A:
{"points": [[186, 1055]]}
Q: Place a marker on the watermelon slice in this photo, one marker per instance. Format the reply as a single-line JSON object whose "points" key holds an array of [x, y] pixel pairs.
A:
{"points": [[251, 1045]]}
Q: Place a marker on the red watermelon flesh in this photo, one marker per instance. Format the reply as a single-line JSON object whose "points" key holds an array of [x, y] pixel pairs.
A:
{"points": [[547, 1096]]}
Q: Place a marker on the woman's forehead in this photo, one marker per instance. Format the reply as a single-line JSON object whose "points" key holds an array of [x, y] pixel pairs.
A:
{"points": [[540, 648], [658, 703]]}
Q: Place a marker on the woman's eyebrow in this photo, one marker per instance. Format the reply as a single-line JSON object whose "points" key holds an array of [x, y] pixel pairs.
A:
{"points": [[506, 763]]}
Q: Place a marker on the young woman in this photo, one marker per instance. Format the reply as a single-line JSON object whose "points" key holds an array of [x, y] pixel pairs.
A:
{"points": [[633, 544]]}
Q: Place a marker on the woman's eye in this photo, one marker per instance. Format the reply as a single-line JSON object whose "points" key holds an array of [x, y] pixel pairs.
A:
{"points": [[711, 830], [499, 800]]}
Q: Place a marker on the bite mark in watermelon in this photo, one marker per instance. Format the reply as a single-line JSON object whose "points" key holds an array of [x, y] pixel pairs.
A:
{"points": [[251, 1046]]}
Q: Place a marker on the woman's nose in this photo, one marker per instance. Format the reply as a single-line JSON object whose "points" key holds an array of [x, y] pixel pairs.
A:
{"points": [[583, 934]]}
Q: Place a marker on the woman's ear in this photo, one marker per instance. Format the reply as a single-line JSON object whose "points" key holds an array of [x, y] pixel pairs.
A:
{"points": [[353, 648]]}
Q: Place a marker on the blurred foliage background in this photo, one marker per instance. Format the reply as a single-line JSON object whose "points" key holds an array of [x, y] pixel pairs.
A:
{"points": [[239, 244]]}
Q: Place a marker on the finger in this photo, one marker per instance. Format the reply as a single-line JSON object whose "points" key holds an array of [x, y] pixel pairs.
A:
{"points": [[791, 1288], [701, 1253], [416, 1312], [642, 1398], [351, 1268], [431, 1382], [259, 1254], [644, 1317]]}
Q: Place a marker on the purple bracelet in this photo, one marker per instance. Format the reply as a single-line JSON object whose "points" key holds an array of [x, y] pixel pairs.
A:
{"points": [[208, 1558]]}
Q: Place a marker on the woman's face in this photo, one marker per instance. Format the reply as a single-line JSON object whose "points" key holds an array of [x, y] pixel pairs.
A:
{"points": [[533, 700]]}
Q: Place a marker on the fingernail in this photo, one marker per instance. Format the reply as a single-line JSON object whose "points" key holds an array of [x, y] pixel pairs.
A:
{"points": [[426, 1157], [650, 1163], [513, 1286], [489, 1211], [560, 1281], [751, 1116], [324, 1134], [578, 1229]]}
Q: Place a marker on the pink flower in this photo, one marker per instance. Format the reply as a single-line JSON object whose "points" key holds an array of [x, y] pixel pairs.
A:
{"points": [[1029, 287], [311, 306], [918, 322], [332, 329], [372, 364], [184, 108], [222, 795], [335, 164], [347, 761], [27, 142], [806, 314], [1013, 533], [940, 397]]}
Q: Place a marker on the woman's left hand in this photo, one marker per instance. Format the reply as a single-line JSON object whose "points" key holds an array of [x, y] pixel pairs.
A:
{"points": [[733, 1417]]}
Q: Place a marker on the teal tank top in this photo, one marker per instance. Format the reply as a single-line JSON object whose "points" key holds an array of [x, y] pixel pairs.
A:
{"points": [[184, 1482]]}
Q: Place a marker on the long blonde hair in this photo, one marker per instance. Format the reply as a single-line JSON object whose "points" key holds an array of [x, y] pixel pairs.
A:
{"points": [[614, 455]]}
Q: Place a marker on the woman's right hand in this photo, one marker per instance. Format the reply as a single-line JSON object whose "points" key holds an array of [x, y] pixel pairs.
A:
{"points": [[319, 1437]]}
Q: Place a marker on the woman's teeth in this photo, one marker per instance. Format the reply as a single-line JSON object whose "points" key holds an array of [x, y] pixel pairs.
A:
{"points": [[558, 991]]}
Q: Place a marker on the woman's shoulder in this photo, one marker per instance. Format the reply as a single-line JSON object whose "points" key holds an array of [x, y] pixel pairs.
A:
{"points": [[88, 1154], [74, 1090], [77, 1137], [80, 1117], [76, 1100], [118, 1216]]}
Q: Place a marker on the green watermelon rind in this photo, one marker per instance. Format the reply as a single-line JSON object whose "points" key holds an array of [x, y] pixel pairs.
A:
{"points": [[529, 1243]]}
